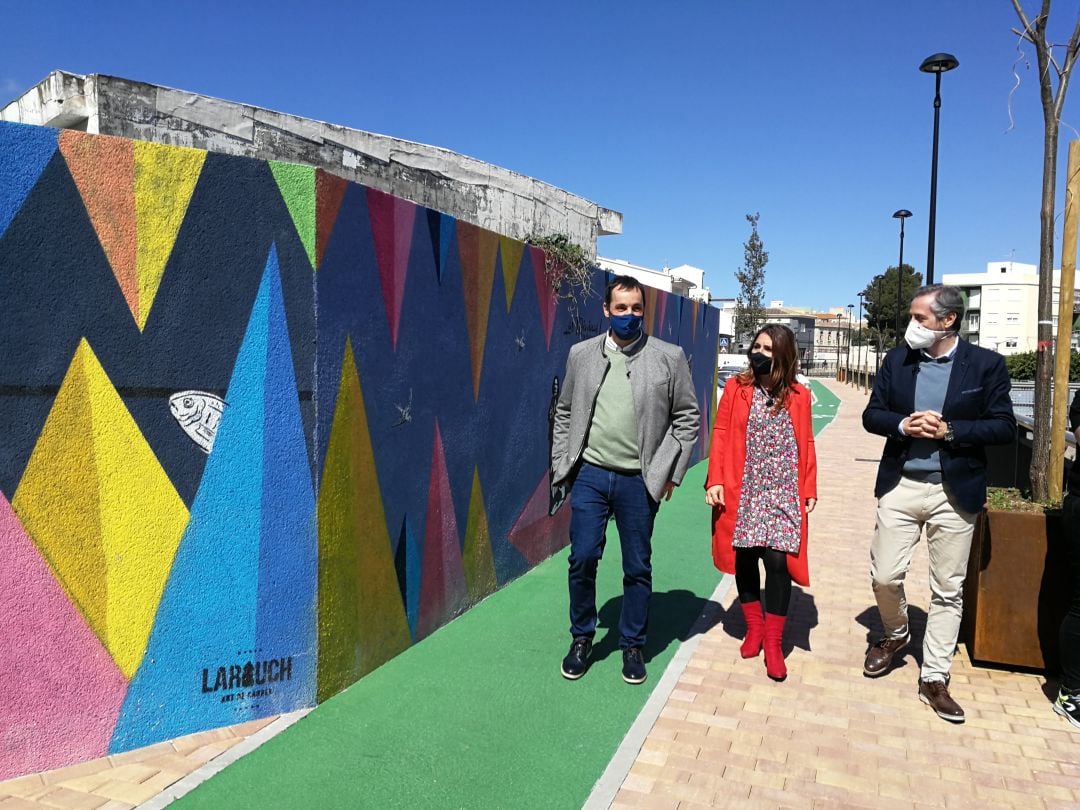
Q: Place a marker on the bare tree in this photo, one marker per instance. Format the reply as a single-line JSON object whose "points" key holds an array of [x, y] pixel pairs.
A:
{"points": [[1053, 99]]}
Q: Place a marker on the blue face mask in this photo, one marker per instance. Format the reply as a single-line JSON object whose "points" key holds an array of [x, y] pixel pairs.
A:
{"points": [[626, 327]]}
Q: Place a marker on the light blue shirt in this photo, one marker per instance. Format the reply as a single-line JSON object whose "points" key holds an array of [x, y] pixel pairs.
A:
{"points": [[931, 385]]}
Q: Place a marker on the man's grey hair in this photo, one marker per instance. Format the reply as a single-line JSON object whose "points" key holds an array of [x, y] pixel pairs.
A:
{"points": [[946, 299]]}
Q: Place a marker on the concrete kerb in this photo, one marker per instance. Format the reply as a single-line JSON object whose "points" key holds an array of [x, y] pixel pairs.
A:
{"points": [[605, 789], [224, 760]]}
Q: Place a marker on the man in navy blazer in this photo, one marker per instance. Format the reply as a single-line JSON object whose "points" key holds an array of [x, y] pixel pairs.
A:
{"points": [[938, 401]]}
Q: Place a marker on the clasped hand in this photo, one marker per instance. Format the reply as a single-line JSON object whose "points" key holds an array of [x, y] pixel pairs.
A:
{"points": [[925, 425]]}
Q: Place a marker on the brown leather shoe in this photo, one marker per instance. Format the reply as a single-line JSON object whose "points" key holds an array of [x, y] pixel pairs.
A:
{"points": [[935, 694], [881, 655]]}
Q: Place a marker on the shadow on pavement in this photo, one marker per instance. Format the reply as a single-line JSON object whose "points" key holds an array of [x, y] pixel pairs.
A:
{"points": [[871, 620], [802, 618], [673, 616]]}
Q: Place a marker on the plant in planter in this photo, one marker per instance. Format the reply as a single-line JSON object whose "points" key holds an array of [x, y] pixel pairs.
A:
{"points": [[1016, 591]]}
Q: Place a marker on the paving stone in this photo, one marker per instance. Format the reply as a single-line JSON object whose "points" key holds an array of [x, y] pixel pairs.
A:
{"points": [[130, 792], [90, 782], [74, 771], [780, 798], [651, 801], [139, 754], [18, 803], [24, 786], [70, 799]]}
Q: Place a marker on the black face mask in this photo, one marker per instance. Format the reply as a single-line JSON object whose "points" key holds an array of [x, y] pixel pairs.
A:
{"points": [[761, 363]]}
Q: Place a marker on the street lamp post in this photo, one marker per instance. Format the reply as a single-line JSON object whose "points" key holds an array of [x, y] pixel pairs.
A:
{"points": [[901, 215], [839, 315], [937, 64], [879, 343], [862, 335], [847, 361]]}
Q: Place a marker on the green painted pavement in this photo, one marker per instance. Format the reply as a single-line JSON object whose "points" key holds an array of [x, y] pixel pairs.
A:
{"points": [[826, 404], [478, 715]]}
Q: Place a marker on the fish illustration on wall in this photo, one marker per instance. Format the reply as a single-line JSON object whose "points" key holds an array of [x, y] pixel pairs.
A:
{"points": [[199, 414]]}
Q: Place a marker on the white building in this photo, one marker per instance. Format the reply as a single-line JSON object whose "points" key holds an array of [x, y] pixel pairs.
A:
{"points": [[683, 280], [1002, 305], [696, 277]]}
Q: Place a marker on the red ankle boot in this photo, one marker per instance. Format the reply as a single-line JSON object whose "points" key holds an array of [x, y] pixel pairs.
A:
{"points": [[774, 655], [755, 629]]}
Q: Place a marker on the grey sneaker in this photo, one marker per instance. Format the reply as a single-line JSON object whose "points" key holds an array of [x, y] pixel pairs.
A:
{"points": [[1068, 705]]}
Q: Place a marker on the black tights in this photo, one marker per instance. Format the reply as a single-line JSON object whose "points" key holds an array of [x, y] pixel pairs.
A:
{"points": [[777, 578]]}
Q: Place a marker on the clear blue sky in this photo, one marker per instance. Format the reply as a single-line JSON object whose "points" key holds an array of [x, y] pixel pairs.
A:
{"points": [[683, 116]]}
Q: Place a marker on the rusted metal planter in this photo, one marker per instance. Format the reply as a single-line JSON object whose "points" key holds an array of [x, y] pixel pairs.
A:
{"points": [[1016, 591]]}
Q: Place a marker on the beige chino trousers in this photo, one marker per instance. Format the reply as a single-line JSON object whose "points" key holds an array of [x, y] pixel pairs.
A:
{"points": [[902, 512]]}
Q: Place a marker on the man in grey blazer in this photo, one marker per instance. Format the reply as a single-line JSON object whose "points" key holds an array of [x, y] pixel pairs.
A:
{"points": [[625, 425]]}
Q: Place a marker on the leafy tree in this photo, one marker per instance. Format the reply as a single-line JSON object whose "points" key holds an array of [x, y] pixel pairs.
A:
{"points": [[1052, 98], [1022, 366], [749, 312], [880, 296]]}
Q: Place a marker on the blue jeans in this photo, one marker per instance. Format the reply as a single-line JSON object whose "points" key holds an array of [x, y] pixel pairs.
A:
{"points": [[597, 494]]}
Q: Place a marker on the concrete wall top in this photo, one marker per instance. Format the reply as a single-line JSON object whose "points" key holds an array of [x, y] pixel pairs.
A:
{"points": [[494, 198]]}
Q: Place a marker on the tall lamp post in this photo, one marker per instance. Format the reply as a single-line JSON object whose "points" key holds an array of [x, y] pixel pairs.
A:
{"points": [[862, 333], [937, 64], [839, 315], [878, 342], [901, 215], [847, 361]]}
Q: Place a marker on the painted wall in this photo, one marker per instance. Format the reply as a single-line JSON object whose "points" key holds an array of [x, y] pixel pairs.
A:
{"points": [[261, 429]]}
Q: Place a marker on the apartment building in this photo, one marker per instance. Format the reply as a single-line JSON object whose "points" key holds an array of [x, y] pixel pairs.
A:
{"points": [[1002, 305]]}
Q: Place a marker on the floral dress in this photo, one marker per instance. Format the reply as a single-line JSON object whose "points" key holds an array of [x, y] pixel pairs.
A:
{"points": [[770, 514]]}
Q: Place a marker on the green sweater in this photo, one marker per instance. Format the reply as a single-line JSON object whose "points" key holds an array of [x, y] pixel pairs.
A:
{"points": [[613, 435]]}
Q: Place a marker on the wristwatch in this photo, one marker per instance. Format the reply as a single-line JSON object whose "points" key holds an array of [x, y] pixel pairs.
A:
{"points": [[949, 435]]}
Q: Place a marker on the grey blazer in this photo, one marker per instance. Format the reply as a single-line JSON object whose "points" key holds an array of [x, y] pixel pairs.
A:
{"points": [[664, 402]]}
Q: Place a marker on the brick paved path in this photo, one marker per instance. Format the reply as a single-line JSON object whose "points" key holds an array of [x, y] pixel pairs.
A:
{"points": [[827, 736], [122, 781]]}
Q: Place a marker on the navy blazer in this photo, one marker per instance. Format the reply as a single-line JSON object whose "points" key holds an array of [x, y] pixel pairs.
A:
{"points": [[977, 408]]}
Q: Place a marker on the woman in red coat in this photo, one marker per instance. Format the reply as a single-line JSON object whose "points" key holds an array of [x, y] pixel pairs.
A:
{"points": [[762, 484]]}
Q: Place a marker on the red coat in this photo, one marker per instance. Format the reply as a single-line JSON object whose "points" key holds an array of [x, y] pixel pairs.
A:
{"points": [[727, 458]]}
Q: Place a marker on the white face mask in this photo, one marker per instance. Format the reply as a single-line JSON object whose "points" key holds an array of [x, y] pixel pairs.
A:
{"points": [[919, 337]]}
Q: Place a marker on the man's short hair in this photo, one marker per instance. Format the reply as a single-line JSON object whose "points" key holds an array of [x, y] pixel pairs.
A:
{"points": [[626, 283], [946, 299]]}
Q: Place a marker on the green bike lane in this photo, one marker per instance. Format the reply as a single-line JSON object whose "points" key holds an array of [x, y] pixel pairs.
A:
{"points": [[477, 715]]}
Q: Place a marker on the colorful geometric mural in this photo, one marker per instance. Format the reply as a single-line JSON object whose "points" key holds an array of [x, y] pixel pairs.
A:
{"points": [[112, 535], [263, 429], [235, 632], [136, 195], [362, 621], [48, 717]]}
